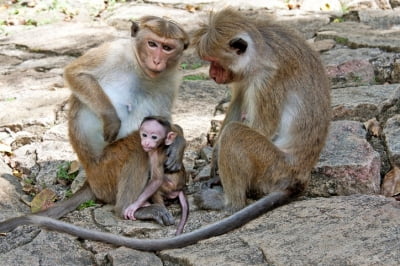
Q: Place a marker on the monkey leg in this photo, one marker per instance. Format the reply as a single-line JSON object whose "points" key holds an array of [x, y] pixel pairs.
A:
{"points": [[156, 212], [247, 161], [131, 182]]}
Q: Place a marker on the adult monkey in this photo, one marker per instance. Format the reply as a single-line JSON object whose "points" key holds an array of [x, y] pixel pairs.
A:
{"points": [[114, 87], [280, 96]]}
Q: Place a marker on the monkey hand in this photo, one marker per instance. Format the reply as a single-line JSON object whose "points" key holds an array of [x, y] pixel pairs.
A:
{"points": [[111, 126], [175, 154], [129, 212], [156, 212]]}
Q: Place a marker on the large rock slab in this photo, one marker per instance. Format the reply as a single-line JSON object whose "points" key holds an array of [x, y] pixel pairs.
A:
{"points": [[358, 35], [345, 230], [348, 164], [63, 38], [365, 102], [47, 248]]}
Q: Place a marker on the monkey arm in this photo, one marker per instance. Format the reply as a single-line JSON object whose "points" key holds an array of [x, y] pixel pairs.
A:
{"points": [[175, 154], [150, 189], [88, 90]]}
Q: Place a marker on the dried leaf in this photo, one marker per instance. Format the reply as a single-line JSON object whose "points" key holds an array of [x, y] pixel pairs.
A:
{"points": [[391, 183], [373, 127], [43, 200], [17, 173], [192, 8], [74, 167]]}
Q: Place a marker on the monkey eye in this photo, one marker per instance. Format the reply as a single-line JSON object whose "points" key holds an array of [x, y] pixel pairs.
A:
{"points": [[167, 48], [154, 137], [144, 135], [152, 44]]}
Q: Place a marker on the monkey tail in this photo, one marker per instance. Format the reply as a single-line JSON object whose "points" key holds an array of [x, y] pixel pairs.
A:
{"points": [[234, 221], [63, 207], [57, 211]]}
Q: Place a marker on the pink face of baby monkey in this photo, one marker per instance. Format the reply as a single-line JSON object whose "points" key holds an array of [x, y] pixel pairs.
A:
{"points": [[153, 134]]}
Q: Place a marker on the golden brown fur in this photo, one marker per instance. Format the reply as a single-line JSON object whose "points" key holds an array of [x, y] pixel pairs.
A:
{"points": [[280, 102]]}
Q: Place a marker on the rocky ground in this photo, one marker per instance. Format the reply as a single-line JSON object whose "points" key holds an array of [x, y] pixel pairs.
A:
{"points": [[349, 215]]}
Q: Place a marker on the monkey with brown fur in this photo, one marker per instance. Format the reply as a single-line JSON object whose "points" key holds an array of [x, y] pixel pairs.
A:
{"points": [[156, 135], [273, 133], [114, 86]]}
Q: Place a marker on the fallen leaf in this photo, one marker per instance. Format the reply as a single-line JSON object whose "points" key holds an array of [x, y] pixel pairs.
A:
{"points": [[373, 127], [391, 183], [74, 167], [43, 200]]}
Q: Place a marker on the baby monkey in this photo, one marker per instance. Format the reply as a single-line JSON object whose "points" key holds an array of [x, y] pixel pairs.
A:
{"points": [[156, 135]]}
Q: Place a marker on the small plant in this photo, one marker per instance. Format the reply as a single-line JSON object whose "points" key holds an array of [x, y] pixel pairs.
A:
{"points": [[338, 20], [195, 77], [64, 173], [341, 40], [87, 204], [191, 66], [68, 193]]}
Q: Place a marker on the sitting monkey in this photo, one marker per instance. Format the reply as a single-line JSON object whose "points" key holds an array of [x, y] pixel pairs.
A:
{"points": [[156, 135]]}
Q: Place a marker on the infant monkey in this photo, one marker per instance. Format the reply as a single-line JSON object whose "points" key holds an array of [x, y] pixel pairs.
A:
{"points": [[156, 135]]}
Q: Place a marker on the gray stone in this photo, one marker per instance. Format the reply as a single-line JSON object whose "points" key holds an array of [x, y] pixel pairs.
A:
{"points": [[67, 39], [352, 230], [348, 164], [381, 19], [357, 35], [31, 107], [48, 248], [365, 102], [50, 155], [354, 72], [392, 137], [125, 256]]}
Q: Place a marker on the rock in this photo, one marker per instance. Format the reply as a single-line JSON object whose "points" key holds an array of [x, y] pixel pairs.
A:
{"points": [[356, 35], [50, 155], [9, 193], [366, 102], [380, 19], [307, 232], [43, 250], [125, 256], [68, 39], [323, 45], [392, 137], [352, 73], [34, 107], [348, 164]]}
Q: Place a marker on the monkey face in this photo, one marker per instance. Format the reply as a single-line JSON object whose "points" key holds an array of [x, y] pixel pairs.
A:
{"points": [[157, 54], [152, 135]]}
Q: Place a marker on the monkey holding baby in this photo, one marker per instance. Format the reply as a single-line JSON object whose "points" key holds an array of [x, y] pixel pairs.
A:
{"points": [[156, 135], [114, 86], [274, 130]]}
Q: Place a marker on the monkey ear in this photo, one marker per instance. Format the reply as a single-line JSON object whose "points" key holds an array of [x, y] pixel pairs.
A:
{"points": [[170, 138], [134, 28], [239, 45]]}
